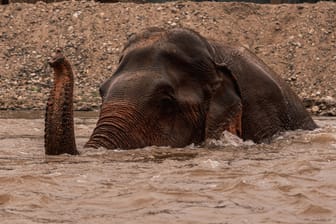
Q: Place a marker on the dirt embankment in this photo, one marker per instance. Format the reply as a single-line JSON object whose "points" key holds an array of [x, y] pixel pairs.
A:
{"points": [[297, 41]]}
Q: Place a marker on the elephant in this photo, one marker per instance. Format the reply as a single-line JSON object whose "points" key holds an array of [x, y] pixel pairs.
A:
{"points": [[174, 88]]}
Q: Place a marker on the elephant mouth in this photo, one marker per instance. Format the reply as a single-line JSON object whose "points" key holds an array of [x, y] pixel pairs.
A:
{"points": [[120, 125]]}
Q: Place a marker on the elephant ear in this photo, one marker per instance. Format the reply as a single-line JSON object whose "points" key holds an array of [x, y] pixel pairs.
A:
{"points": [[225, 106]]}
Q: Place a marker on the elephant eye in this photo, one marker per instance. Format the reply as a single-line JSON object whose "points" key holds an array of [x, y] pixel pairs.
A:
{"points": [[167, 105]]}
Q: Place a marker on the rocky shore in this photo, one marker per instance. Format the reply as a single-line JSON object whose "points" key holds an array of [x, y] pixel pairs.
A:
{"points": [[297, 41]]}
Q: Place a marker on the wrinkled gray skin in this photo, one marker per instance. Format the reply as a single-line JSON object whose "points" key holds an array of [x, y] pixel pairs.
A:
{"points": [[174, 88]]}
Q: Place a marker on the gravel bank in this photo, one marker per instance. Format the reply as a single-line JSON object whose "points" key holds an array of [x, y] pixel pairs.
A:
{"points": [[297, 41]]}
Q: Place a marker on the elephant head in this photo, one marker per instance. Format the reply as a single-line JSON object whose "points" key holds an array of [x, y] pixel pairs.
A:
{"points": [[166, 91]]}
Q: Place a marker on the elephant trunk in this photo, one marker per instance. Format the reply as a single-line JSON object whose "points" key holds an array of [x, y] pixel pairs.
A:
{"points": [[59, 121], [120, 125]]}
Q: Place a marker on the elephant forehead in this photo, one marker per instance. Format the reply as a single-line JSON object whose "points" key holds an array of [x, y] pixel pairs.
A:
{"points": [[133, 84], [138, 77]]}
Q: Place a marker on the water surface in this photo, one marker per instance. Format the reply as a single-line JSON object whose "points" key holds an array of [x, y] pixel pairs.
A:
{"points": [[292, 180]]}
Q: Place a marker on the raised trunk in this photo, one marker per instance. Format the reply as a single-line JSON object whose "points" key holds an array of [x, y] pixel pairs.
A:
{"points": [[59, 122]]}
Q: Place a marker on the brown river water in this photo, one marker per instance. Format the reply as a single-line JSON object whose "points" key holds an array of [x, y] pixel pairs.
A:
{"points": [[292, 180]]}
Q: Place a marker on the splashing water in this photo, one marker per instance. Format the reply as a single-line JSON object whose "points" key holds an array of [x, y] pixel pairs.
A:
{"points": [[227, 139]]}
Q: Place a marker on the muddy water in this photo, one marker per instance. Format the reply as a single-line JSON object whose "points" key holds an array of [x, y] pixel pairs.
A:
{"points": [[292, 180]]}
